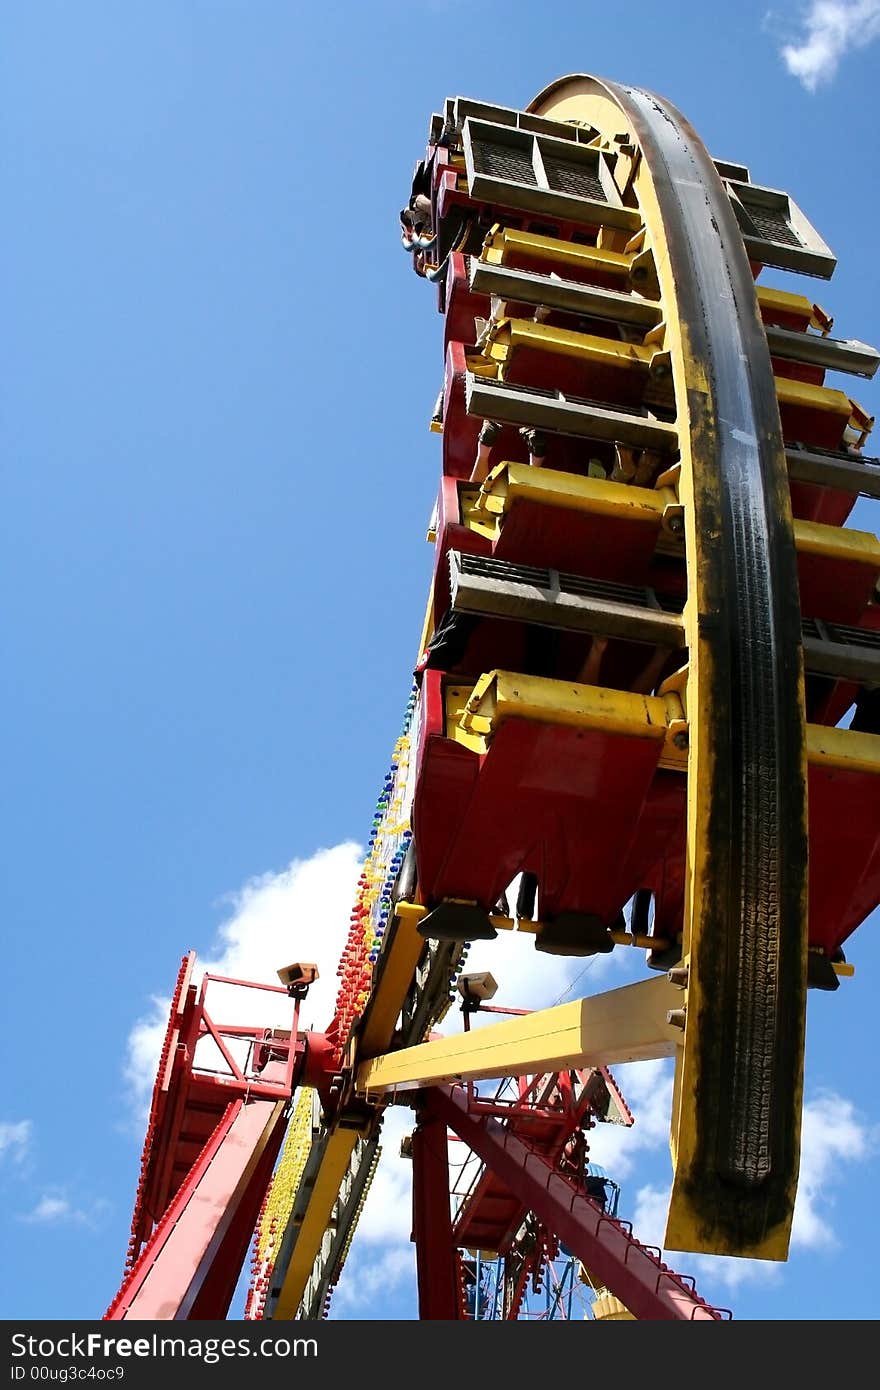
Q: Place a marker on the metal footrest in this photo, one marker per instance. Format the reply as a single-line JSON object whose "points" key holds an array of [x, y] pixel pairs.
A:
{"points": [[551, 410], [568, 296]]}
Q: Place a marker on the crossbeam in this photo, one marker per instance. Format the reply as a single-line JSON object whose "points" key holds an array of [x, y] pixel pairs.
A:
{"points": [[620, 1025]]}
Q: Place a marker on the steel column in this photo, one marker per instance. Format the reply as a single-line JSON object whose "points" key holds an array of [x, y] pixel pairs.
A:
{"points": [[436, 1263]]}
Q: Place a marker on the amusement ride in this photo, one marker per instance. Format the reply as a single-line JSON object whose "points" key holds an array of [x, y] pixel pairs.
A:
{"points": [[644, 717]]}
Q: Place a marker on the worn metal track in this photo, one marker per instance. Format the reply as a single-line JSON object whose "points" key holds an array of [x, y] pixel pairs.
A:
{"points": [[740, 1076]]}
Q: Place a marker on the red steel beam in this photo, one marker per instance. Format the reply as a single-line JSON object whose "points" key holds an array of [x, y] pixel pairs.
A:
{"points": [[436, 1264], [632, 1271], [184, 1271]]}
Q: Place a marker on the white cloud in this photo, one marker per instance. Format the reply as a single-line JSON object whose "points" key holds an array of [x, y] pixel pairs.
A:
{"points": [[301, 913], [831, 27], [649, 1214], [49, 1209], [15, 1138], [54, 1209], [647, 1089], [367, 1281], [832, 1134]]}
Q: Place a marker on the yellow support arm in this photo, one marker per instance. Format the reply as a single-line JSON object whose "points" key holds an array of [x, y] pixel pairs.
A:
{"points": [[509, 334], [503, 244], [512, 482], [620, 1025], [317, 1215]]}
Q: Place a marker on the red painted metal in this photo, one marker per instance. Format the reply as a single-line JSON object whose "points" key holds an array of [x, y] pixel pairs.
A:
{"points": [[439, 1283], [190, 1265], [844, 820], [836, 589], [632, 1271], [569, 804], [550, 1114], [594, 817], [191, 1111]]}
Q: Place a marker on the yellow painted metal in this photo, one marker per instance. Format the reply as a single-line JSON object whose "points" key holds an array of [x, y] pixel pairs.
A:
{"points": [[805, 396], [620, 937], [507, 335], [504, 244], [399, 961], [838, 543], [480, 365], [851, 750], [474, 715], [511, 482], [427, 624], [785, 302], [285, 1180], [620, 1025], [474, 515], [315, 1221], [455, 698], [607, 1308], [583, 98]]}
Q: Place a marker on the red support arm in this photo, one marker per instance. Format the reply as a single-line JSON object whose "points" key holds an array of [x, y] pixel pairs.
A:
{"points": [[437, 1267], [188, 1268], [605, 1246]]}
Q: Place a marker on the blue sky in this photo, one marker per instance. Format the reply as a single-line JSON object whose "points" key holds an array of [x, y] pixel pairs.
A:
{"points": [[218, 370]]}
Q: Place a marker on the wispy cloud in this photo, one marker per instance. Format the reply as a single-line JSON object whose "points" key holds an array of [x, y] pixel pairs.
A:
{"points": [[367, 1281], [830, 29], [55, 1209], [15, 1139], [833, 1134]]}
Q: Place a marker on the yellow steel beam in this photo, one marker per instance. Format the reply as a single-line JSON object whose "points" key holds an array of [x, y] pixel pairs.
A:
{"points": [[473, 715], [428, 623], [395, 977], [621, 1025], [508, 335], [784, 301], [503, 244], [511, 482], [315, 1220], [847, 749], [805, 396], [838, 543]]}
